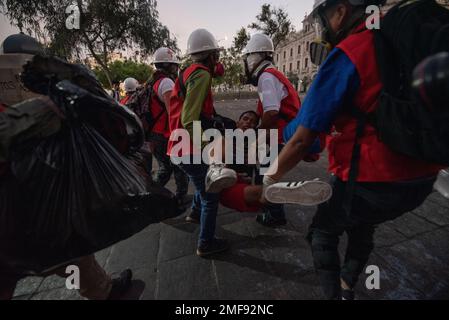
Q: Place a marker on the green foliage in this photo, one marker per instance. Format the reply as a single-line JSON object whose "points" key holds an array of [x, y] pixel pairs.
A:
{"points": [[293, 78], [241, 39], [106, 26], [274, 22], [120, 70], [233, 65]]}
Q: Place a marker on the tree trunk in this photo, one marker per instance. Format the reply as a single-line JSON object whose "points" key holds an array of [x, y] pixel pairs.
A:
{"points": [[103, 64]]}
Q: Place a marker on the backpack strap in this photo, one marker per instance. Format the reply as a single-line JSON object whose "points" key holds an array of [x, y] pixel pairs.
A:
{"points": [[355, 160], [182, 85]]}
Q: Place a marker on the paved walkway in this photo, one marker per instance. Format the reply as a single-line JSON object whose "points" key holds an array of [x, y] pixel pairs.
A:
{"points": [[411, 253]]}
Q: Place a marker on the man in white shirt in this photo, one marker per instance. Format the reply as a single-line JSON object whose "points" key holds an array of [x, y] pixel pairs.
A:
{"points": [[278, 104]]}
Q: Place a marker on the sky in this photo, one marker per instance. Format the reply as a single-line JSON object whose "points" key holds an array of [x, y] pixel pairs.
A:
{"points": [[223, 18]]}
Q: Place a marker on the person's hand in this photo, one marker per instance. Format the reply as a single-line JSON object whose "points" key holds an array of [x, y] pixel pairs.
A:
{"points": [[262, 199], [267, 181]]}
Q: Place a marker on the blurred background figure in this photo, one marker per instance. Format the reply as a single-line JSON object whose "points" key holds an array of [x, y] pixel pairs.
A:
{"points": [[131, 85], [116, 90]]}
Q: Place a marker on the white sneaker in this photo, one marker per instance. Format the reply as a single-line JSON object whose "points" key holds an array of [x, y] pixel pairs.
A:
{"points": [[442, 184], [307, 193], [219, 178]]}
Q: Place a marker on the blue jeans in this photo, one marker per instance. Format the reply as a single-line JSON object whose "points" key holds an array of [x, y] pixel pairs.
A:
{"points": [[204, 203], [372, 204]]}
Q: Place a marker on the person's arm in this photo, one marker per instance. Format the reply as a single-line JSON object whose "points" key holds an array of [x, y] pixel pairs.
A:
{"points": [[166, 100], [270, 93], [334, 87], [165, 90], [197, 89], [294, 152], [269, 120]]}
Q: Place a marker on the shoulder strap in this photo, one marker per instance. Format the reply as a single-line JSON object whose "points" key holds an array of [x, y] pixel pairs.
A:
{"points": [[156, 94], [182, 85], [355, 160]]}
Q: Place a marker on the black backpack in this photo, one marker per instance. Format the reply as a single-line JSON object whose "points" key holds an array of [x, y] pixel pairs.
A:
{"points": [[141, 104], [410, 32]]}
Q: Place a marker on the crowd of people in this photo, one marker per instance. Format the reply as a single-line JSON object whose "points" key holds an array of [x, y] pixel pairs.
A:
{"points": [[371, 182]]}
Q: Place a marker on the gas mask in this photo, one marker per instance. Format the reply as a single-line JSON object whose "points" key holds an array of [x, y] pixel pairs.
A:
{"points": [[219, 71], [173, 71], [253, 64], [326, 38]]}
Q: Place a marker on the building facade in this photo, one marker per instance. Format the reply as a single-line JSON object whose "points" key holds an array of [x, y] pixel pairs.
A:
{"points": [[292, 55]]}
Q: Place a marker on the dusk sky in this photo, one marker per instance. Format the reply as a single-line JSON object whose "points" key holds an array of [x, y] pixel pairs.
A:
{"points": [[222, 18]]}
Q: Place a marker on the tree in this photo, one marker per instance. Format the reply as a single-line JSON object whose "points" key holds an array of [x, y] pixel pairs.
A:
{"points": [[120, 70], [105, 27], [241, 39], [232, 62], [294, 79], [274, 22]]}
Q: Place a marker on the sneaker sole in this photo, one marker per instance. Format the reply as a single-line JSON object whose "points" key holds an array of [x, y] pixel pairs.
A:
{"points": [[312, 193], [220, 184]]}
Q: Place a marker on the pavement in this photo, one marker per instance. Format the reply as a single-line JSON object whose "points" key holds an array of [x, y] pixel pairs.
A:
{"points": [[411, 253]]}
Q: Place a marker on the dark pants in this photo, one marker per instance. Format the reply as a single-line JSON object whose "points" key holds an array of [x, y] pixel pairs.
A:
{"points": [[372, 204], [275, 211], [203, 202], [167, 168]]}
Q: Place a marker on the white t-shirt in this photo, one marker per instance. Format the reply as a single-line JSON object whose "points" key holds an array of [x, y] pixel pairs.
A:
{"points": [[271, 92], [166, 85]]}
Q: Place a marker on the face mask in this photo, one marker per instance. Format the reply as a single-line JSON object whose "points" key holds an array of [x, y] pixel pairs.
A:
{"points": [[250, 64], [219, 70], [319, 50], [323, 45]]}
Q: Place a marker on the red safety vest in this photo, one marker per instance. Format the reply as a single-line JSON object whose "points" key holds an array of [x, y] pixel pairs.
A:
{"points": [[289, 106], [158, 111], [125, 100], [175, 111], [378, 162]]}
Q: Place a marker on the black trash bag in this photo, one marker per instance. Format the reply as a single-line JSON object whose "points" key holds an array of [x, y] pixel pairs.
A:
{"points": [[73, 193], [66, 83]]}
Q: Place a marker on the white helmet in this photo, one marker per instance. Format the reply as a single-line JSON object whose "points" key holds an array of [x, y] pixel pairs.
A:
{"points": [[130, 85], [165, 55], [259, 43], [201, 41]]}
